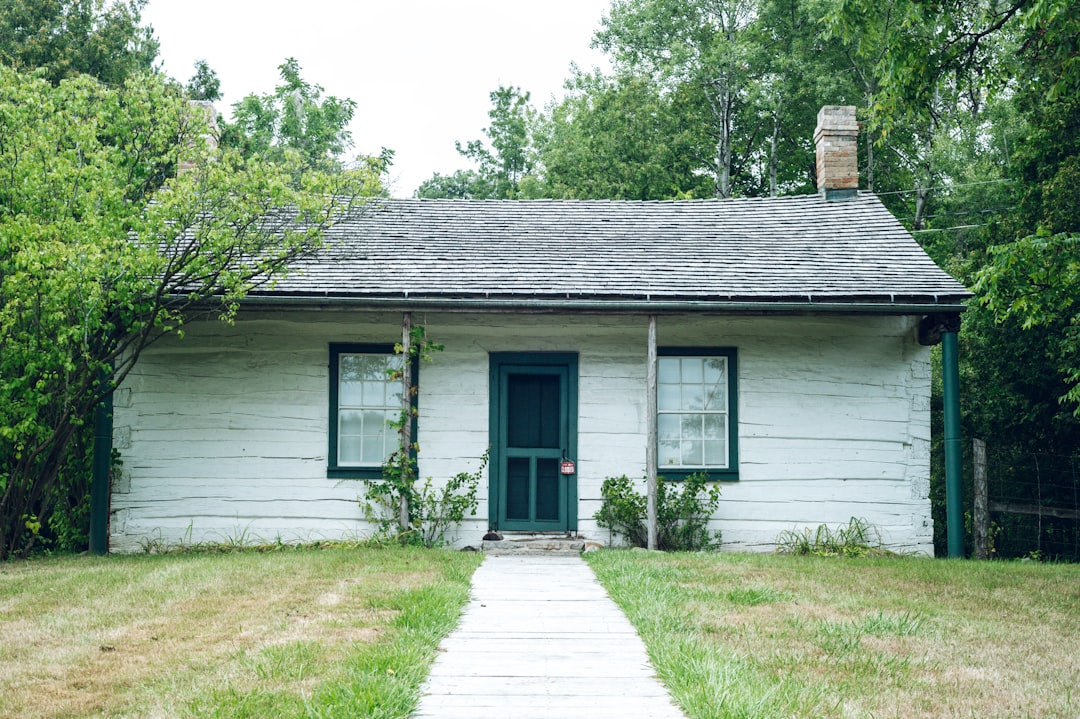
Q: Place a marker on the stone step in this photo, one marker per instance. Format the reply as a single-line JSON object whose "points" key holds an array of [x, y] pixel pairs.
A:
{"points": [[534, 544]]}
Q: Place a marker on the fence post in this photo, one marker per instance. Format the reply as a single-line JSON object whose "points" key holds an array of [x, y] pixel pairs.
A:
{"points": [[981, 513]]}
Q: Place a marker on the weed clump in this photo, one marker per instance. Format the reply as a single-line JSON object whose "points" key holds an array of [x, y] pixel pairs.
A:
{"points": [[858, 539]]}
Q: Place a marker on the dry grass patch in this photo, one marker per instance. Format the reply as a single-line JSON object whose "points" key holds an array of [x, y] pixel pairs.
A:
{"points": [[768, 636], [241, 634]]}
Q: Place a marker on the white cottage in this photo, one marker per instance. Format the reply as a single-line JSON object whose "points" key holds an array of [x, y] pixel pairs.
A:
{"points": [[789, 367]]}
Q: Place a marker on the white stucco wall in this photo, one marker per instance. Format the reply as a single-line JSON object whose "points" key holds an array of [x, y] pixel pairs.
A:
{"points": [[223, 433]]}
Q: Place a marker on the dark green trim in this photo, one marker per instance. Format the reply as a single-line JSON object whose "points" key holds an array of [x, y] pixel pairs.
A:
{"points": [[731, 473], [530, 362], [333, 471], [954, 488]]}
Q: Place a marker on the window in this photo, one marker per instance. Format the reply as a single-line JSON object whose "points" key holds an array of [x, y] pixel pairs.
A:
{"points": [[364, 398], [696, 406]]}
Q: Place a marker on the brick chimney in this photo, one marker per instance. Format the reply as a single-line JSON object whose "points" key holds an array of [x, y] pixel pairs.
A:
{"points": [[836, 138], [210, 138]]}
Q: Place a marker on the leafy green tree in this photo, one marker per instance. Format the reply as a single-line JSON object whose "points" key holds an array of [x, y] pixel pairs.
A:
{"points": [[462, 185], [65, 38], [104, 249], [702, 43], [204, 84], [622, 138], [511, 156], [295, 117]]}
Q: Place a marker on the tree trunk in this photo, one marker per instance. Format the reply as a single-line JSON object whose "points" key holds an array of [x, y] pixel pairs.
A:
{"points": [[774, 149], [869, 161], [922, 194]]}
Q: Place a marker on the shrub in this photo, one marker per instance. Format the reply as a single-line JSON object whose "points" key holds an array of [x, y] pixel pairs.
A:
{"points": [[683, 510], [432, 510]]}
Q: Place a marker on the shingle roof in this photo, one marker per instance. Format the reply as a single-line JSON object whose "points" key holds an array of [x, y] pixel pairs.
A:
{"points": [[791, 249]]}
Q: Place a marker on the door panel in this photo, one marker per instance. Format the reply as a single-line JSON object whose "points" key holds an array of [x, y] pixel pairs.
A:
{"points": [[533, 428], [517, 488], [534, 410], [547, 489]]}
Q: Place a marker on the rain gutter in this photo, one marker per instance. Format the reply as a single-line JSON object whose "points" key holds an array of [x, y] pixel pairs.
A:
{"points": [[598, 306]]}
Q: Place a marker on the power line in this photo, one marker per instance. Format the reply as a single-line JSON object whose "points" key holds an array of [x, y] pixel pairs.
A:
{"points": [[945, 187], [946, 229], [962, 213]]}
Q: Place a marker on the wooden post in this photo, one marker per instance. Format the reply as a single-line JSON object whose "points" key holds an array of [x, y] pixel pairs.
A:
{"points": [[981, 513], [650, 440], [406, 429]]}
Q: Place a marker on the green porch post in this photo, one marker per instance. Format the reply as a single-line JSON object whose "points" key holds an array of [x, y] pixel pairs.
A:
{"points": [[954, 490], [944, 328]]}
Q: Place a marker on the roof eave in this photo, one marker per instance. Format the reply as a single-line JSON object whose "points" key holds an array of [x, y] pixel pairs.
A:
{"points": [[947, 304]]}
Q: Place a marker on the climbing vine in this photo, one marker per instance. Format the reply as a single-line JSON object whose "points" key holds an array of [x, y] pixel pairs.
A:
{"points": [[429, 511]]}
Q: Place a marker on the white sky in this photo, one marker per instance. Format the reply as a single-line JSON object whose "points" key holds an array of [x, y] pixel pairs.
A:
{"points": [[419, 70]]}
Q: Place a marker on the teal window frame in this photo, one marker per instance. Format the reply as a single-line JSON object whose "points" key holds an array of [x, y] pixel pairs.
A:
{"points": [[363, 471], [731, 471]]}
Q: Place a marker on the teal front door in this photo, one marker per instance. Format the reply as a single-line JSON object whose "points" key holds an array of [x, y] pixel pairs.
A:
{"points": [[533, 442]]}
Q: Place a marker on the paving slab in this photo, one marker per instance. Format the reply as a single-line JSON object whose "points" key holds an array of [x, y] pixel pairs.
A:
{"points": [[541, 638]]}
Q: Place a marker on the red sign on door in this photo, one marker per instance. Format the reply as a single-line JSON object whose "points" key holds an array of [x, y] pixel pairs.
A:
{"points": [[567, 467]]}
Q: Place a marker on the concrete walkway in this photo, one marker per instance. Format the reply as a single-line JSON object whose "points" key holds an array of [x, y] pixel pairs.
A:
{"points": [[541, 638]]}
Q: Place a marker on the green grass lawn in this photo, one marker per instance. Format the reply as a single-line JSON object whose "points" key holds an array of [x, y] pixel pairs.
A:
{"points": [[736, 635], [341, 632], [350, 632]]}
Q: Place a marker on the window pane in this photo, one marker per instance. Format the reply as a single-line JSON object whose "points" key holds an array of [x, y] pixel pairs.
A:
{"points": [[668, 397], [692, 370], [715, 426], [374, 367], [349, 393], [351, 423], [691, 453], [667, 426], [715, 368], [693, 396], [716, 453], [374, 394], [667, 370], [349, 450], [691, 426], [716, 399], [374, 450], [668, 452]]}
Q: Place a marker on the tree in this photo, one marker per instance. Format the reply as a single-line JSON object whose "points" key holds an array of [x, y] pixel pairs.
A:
{"points": [[621, 138], [511, 157], [295, 117], [701, 43], [104, 249], [204, 84], [64, 38], [505, 170], [462, 185]]}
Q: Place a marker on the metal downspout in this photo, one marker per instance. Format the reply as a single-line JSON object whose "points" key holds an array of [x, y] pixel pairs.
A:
{"points": [[100, 484], [954, 490]]}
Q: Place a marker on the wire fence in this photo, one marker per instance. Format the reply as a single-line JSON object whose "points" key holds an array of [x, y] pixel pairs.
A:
{"points": [[1034, 503]]}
